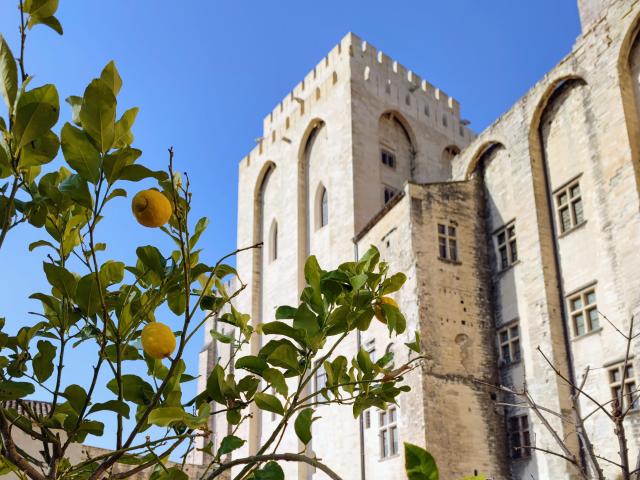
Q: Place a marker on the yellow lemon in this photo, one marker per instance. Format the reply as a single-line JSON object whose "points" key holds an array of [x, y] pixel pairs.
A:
{"points": [[158, 341], [151, 208], [377, 308]]}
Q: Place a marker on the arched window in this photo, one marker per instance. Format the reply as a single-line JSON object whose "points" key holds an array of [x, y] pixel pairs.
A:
{"points": [[273, 241], [323, 208]]}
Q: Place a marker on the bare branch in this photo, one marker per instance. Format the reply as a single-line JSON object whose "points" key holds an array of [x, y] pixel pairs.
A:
{"points": [[287, 457]]}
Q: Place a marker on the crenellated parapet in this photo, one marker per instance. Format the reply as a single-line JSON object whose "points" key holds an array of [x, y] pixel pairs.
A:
{"points": [[354, 59]]}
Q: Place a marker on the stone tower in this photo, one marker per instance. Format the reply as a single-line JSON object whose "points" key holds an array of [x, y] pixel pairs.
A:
{"points": [[512, 242]]}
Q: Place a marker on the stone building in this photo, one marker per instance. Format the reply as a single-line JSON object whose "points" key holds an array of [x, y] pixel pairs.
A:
{"points": [[512, 240]]}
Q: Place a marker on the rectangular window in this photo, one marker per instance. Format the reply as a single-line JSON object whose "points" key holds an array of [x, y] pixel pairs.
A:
{"points": [[447, 242], [389, 193], [320, 378], [506, 246], [569, 206], [388, 158], [509, 343], [519, 436], [583, 311], [367, 419], [630, 397], [388, 433]]}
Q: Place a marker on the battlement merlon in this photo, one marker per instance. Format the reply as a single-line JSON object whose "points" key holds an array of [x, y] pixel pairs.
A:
{"points": [[376, 59], [375, 63]]}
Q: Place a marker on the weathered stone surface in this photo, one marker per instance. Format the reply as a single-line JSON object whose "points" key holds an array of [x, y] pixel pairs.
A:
{"points": [[581, 121]]}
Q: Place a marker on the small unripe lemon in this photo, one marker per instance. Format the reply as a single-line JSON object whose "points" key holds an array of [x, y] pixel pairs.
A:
{"points": [[151, 208], [377, 308], [158, 341]]}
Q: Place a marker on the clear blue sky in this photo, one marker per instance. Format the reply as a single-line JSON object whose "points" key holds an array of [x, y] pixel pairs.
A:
{"points": [[205, 73]]}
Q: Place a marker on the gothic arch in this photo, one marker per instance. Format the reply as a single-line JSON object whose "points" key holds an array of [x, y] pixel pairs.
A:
{"points": [[313, 128], [479, 154], [630, 90], [258, 197], [404, 124], [547, 236], [262, 182]]}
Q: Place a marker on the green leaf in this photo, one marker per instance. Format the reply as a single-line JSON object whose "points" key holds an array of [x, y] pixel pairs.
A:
{"points": [[40, 8], [312, 272], [5, 163], [8, 74], [51, 22], [43, 360], [271, 471], [98, 114], [415, 345], [113, 406], [123, 136], [281, 328], [395, 320], [10, 390], [111, 272], [270, 403], [80, 153], [61, 278], [135, 173], [419, 464], [91, 427], [393, 283], [151, 258], [199, 229], [37, 112], [40, 243], [111, 77], [302, 425], [42, 150], [78, 190], [127, 352], [173, 473], [134, 389], [276, 379], [76, 396], [284, 356], [285, 312], [229, 444], [115, 162], [177, 301], [118, 192], [252, 363], [88, 295], [166, 416]]}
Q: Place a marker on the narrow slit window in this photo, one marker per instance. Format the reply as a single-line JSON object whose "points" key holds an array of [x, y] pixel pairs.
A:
{"points": [[273, 241], [323, 208]]}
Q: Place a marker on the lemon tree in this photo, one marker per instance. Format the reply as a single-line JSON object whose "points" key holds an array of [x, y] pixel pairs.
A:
{"points": [[143, 313]]}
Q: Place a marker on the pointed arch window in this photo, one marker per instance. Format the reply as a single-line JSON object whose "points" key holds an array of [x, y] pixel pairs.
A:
{"points": [[323, 208], [273, 241]]}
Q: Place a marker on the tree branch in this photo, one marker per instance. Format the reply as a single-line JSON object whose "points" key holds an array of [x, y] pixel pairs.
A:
{"points": [[287, 457]]}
